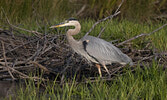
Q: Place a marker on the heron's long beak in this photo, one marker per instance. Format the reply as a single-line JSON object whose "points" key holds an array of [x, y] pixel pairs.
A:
{"points": [[58, 25]]}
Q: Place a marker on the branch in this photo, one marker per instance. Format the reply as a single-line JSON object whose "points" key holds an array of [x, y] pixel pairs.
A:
{"points": [[11, 69], [81, 10], [3, 47], [104, 19], [40, 66], [142, 34], [34, 32]]}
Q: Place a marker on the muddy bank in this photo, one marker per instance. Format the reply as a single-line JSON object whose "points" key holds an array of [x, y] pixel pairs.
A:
{"points": [[7, 89]]}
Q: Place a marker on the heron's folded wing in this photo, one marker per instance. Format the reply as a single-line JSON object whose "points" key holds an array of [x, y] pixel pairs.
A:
{"points": [[102, 50]]}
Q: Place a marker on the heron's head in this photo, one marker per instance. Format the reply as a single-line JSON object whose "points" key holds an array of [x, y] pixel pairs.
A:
{"points": [[69, 22]]}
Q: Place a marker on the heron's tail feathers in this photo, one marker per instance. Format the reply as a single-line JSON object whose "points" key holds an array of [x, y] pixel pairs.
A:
{"points": [[127, 60]]}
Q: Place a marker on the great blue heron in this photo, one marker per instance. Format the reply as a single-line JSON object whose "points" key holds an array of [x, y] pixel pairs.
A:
{"points": [[94, 49]]}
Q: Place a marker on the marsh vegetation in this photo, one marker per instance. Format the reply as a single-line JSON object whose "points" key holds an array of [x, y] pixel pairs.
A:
{"points": [[41, 60]]}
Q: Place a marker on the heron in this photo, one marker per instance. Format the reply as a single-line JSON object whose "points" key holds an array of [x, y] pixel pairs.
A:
{"points": [[94, 49]]}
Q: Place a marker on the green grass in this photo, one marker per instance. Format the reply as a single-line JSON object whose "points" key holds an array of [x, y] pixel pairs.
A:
{"points": [[138, 10], [115, 30], [39, 15], [148, 83], [123, 30]]}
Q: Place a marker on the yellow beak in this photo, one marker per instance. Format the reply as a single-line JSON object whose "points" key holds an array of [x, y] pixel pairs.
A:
{"points": [[59, 25]]}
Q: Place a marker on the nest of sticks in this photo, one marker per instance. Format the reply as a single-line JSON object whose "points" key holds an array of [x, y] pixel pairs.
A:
{"points": [[23, 57]]}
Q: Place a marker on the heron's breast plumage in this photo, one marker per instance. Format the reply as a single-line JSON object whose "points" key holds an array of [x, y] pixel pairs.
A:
{"points": [[80, 48]]}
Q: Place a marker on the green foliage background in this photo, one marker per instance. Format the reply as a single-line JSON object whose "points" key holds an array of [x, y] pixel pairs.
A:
{"points": [[38, 15], [140, 10]]}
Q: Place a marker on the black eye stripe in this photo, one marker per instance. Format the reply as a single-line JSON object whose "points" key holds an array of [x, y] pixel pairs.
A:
{"points": [[70, 19]]}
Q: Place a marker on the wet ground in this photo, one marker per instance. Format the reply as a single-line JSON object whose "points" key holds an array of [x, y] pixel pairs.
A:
{"points": [[7, 88]]}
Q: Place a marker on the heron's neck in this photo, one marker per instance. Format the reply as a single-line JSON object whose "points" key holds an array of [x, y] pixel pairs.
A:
{"points": [[71, 32], [74, 31], [70, 38]]}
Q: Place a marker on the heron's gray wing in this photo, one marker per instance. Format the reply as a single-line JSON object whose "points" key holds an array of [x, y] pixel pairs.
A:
{"points": [[103, 50]]}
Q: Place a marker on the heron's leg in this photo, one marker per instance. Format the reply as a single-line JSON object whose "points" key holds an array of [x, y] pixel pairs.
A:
{"points": [[98, 67], [106, 69]]}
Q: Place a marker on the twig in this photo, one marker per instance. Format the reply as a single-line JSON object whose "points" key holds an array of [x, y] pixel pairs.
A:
{"points": [[111, 16], [21, 45], [40, 66], [145, 58], [16, 68], [33, 57], [102, 30], [35, 78], [10, 68], [81, 10], [116, 70], [23, 75], [34, 32], [3, 47], [4, 76], [142, 34], [104, 19]]}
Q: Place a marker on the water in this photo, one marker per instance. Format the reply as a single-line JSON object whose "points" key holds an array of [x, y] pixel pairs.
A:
{"points": [[7, 89]]}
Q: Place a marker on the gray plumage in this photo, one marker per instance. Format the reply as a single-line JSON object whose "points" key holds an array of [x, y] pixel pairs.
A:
{"points": [[105, 52], [94, 49]]}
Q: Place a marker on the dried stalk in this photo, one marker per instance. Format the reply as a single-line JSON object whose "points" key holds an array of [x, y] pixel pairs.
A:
{"points": [[104, 19], [142, 34], [117, 10], [34, 32], [3, 47], [40, 66]]}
